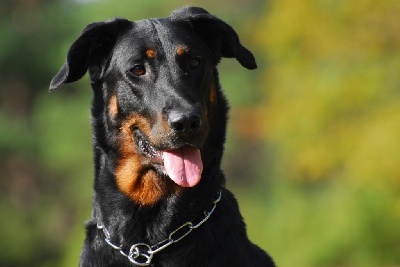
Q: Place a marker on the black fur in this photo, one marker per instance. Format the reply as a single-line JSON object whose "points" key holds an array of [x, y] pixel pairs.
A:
{"points": [[174, 84]]}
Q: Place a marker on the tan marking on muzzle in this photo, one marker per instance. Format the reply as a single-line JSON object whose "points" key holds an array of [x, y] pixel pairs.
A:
{"points": [[143, 185], [213, 94], [113, 106]]}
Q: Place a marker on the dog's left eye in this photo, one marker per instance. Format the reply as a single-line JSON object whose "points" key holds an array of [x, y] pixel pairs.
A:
{"points": [[194, 62], [138, 70]]}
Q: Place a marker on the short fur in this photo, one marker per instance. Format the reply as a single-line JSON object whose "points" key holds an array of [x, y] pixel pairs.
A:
{"points": [[156, 88]]}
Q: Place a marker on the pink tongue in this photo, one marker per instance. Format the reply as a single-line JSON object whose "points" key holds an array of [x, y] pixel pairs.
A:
{"points": [[183, 165]]}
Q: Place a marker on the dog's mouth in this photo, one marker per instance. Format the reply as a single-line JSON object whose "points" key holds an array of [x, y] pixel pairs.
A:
{"points": [[145, 148], [182, 164]]}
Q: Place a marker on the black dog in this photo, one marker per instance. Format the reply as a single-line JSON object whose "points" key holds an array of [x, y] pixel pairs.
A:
{"points": [[159, 121]]}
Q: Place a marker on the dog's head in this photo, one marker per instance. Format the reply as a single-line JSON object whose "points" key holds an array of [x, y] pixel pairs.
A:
{"points": [[156, 95]]}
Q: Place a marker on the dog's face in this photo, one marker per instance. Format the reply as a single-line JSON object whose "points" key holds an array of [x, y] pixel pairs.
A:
{"points": [[164, 80], [159, 86], [155, 95]]}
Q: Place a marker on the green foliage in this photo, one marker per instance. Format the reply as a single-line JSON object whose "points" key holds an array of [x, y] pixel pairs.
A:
{"points": [[332, 123], [312, 150]]}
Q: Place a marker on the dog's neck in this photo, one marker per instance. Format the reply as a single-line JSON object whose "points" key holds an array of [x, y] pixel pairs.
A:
{"points": [[141, 253], [129, 223], [119, 213]]}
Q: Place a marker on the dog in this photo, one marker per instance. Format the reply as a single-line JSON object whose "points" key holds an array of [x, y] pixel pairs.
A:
{"points": [[159, 122]]}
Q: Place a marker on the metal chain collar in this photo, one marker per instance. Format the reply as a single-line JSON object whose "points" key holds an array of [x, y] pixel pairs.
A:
{"points": [[141, 254]]}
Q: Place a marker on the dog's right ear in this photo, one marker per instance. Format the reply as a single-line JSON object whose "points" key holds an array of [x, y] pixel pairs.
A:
{"points": [[95, 42], [220, 37]]}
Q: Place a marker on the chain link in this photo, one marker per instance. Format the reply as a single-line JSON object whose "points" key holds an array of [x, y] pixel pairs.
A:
{"points": [[141, 254]]}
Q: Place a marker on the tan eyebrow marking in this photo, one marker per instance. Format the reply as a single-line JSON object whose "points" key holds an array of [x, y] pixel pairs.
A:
{"points": [[150, 53], [180, 50]]}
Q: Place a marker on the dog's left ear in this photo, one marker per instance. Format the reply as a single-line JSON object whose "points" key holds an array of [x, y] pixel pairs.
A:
{"points": [[218, 35], [95, 42]]}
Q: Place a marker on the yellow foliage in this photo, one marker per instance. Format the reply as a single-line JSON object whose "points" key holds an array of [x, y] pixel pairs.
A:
{"points": [[332, 88]]}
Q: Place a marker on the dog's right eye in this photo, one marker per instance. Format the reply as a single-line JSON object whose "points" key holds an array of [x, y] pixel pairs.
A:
{"points": [[138, 70], [194, 62]]}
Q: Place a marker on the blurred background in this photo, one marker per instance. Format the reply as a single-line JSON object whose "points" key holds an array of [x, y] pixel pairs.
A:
{"points": [[313, 151]]}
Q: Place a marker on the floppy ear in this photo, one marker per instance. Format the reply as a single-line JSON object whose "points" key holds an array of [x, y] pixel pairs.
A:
{"points": [[95, 42], [218, 35]]}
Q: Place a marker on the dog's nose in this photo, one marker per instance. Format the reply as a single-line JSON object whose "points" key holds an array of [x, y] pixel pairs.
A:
{"points": [[184, 122]]}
